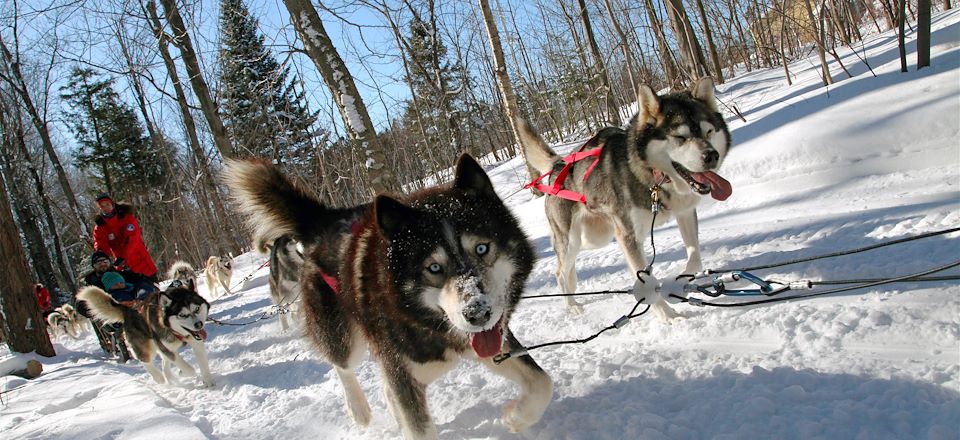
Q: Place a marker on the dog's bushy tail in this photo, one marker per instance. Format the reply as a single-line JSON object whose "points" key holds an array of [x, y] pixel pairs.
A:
{"points": [[180, 266], [101, 304], [535, 149], [272, 203]]}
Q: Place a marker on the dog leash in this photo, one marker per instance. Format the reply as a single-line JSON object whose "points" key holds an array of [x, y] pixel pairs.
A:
{"points": [[247, 278]]}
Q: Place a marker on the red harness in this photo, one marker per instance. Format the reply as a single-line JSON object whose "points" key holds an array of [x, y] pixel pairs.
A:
{"points": [[557, 188]]}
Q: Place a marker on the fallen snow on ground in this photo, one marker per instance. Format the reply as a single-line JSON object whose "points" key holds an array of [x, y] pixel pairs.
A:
{"points": [[814, 169]]}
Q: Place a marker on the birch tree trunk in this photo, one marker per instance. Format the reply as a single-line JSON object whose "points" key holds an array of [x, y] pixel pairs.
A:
{"points": [[337, 77], [821, 52], [510, 107], [717, 71], [182, 40]]}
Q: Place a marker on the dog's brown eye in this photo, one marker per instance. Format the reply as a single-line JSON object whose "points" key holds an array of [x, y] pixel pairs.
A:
{"points": [[435, 268], [482, 249]]}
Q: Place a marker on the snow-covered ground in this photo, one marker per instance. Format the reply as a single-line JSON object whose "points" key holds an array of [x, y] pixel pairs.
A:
{"points": [[814, 170]]}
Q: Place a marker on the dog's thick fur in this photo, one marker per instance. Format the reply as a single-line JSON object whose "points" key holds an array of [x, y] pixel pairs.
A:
{"points": [[65, 320], [183, 272], [683, 136], [218, 270], [424, 281], [165, 322], [286, 259]]}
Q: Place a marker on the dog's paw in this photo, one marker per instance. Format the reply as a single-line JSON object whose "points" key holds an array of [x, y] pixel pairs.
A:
{"points": [[514, 419], [575, 307], [187, 371], [206, 382], [158, 378]]}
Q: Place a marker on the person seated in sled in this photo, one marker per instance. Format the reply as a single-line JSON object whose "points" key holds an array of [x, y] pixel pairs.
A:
{"points": [[121, 290]]}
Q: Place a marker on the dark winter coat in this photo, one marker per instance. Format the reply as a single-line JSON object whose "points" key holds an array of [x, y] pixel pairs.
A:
{"points": [[119, 236]]}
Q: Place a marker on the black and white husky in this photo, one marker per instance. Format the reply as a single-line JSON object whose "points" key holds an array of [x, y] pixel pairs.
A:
{"points": [[677, 141], [422, 281], [163, 323], [286, 260]]}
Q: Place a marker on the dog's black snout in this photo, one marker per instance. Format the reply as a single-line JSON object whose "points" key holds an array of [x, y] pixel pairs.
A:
{"points": [[477, 315], [710, 158], [199, 325]]}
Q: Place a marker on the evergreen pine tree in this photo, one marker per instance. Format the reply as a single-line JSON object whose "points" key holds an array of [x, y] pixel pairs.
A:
{"points": [[112, 145], [264, 113]]}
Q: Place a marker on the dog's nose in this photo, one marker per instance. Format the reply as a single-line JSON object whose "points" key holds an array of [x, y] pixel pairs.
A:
{"points": [[198, 325], [478, 315], [710, 158]]}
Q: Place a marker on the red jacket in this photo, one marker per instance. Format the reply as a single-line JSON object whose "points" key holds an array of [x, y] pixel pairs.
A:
{"points": [[43, 298], [119, 236]]}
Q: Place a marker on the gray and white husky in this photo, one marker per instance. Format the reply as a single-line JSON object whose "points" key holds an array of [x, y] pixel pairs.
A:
{"points": [[286, 259], [423, 281], [163, 323], [676, 140]]}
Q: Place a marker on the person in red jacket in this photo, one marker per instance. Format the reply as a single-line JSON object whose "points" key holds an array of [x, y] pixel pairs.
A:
{"points": [[117, 233], [43, 299]]}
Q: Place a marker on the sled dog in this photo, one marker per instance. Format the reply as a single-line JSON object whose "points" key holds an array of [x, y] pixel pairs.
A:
{"points": [[422, 281], [676, 140], [164, 323], [64, 320], [286, 259], [218, 270], [183, 272]]}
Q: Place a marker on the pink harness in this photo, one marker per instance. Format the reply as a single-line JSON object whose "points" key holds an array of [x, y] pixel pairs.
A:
{"points": [[330, 279]]}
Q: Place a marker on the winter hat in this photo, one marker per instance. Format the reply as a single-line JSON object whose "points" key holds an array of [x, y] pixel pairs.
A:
{"points": [[97, 255], [111, 278], [104, 196]]}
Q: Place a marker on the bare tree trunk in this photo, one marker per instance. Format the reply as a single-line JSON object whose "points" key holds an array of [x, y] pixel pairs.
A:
{"points": [[510, 107], [783, 39], [717, 71], [613, 115], [923, 34], [669, 68], [190, 127], [821, 53], [23, 327], [687, 41], [625, 47], [338, 79], [17, 83], [901, 18], [182, 40]]}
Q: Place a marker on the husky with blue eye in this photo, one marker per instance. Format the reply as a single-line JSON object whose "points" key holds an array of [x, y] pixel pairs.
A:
{"points": [[421, 281], [162, 324], [672, 147]]}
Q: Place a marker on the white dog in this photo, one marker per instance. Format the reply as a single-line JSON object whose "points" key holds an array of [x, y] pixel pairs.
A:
{"points": [[218, 270]]}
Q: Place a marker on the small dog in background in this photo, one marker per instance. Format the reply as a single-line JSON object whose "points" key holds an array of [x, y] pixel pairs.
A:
{"points": [[286, 259], [218, 271], [183, 272], [65, 320]]}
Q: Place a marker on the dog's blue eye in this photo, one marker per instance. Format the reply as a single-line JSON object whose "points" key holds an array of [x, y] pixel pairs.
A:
{"points": [[435, 268], [482, 249]]}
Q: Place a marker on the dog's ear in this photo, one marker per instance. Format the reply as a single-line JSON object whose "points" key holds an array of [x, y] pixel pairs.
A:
{"points": [[191, 285], [471, 177], [165, 300], [703, 92], [392, 215], [649, 104]]}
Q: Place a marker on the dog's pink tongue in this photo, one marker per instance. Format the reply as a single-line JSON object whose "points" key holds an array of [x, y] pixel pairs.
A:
{"points": [[720, 188], [486, 343]]}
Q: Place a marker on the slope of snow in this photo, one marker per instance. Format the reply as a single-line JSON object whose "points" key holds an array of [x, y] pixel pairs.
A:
{"points": [[814, 170]]}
